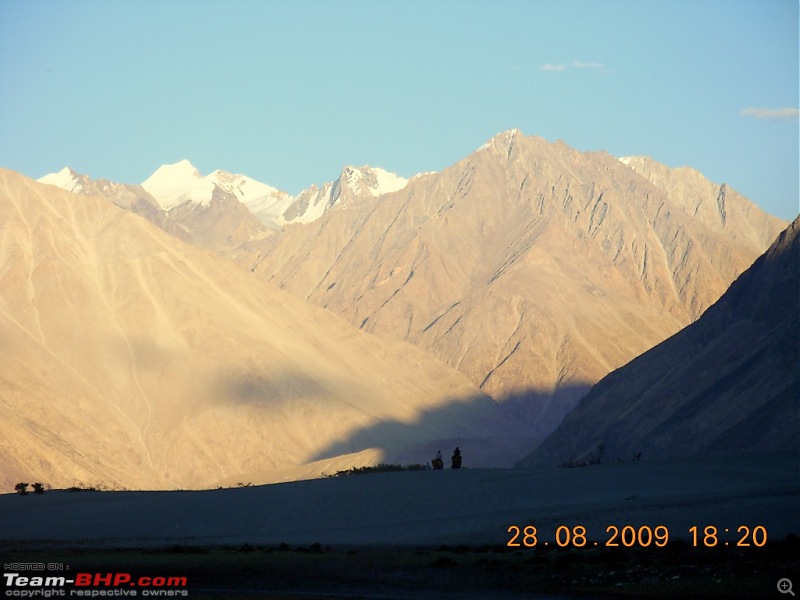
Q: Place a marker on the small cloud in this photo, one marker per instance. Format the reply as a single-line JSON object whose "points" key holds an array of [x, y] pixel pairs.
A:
{"points": [[588, 65], [771, 113], [576, 64]]}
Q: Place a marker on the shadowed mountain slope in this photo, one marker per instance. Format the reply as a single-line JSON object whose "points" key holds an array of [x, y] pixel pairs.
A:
{"points": [[526, 266], [730, 382], [128, 357]]}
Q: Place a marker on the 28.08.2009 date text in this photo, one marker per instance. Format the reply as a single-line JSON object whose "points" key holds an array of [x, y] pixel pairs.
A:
{"points": [[628, 536]]}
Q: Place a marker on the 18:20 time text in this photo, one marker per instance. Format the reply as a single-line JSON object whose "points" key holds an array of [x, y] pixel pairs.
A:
{"points": [[644, 536]]}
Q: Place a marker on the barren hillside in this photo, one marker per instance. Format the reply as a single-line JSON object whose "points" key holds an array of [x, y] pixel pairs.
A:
{"points": [[131, 358]]}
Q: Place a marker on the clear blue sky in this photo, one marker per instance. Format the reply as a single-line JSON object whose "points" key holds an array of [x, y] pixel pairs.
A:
{"points": [[290, 92]]}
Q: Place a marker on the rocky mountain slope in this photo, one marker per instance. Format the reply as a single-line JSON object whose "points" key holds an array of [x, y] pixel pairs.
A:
{"points": [[532, 268], [729, 382], [128, 357]]}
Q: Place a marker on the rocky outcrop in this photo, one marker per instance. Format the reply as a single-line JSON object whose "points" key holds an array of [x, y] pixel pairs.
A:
{"points": [[728, 383]]}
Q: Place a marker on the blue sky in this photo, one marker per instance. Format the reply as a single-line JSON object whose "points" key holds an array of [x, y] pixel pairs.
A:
{"points": [[290, 92]]}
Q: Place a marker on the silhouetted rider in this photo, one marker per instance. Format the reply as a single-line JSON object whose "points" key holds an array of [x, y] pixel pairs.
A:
{"points": [[456, 458]]}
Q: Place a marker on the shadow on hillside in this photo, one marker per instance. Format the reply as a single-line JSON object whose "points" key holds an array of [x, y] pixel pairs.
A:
{"points": [[274, 389], [489, 433]]}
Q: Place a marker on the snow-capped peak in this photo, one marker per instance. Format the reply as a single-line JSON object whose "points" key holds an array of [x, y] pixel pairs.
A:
{"points": [[180, 171], [372, 180], [354, 183], [243, 187], [175, 184], [66, 179]]}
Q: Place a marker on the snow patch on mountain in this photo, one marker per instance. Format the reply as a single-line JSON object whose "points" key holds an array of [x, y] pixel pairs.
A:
{"points": [[309, 205], [353, 184], [389, 182], [247, 190], [264, 201], [502, 142], [384, 182]]}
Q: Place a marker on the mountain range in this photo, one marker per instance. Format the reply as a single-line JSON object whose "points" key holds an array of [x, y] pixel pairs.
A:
{"points": [[222, 210], [532, 268], [490, 296]]}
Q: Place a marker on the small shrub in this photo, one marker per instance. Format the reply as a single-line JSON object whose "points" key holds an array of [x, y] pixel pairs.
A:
{"points": [[380, 468], [21, 489], [82, 487]]}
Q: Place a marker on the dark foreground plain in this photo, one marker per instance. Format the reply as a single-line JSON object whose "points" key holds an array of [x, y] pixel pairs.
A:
{"points": [[444, 534], [307, 572]]}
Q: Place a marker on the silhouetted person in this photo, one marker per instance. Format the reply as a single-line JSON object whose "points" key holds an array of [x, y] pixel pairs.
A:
{"points": [[456, 459], [437, 463]]}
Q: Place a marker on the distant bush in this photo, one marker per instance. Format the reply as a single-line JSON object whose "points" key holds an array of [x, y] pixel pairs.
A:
{"points": [[22, 488], [381, 468], [96, 487]]}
